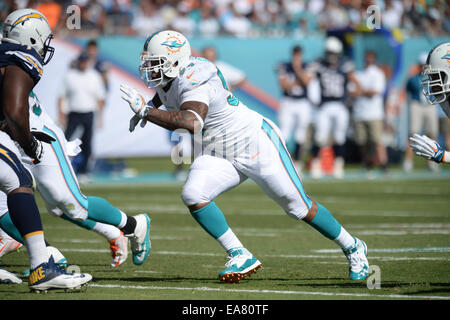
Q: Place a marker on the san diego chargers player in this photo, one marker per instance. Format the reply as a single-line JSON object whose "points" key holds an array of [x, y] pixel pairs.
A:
{"points": [[333, 74], [58, 186], [296, 111], [24, 49], [237, 143], [436, 88]]}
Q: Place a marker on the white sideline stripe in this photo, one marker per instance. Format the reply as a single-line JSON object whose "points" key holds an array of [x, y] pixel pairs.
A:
{"points": [[390, 213], [289, 256], [435, 249], [401, 233], [400, 225], [395, 296]]}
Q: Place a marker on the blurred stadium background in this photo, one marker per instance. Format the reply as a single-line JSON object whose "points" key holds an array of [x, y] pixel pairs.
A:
{"points": [[255, 36], [252, 35]]}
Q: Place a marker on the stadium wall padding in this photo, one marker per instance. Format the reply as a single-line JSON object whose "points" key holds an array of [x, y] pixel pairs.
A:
{"points": [[258, 58]]}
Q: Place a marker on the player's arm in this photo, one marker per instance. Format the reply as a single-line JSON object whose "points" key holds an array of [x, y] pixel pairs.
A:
{"points": [[191, 117], [16, 88]]}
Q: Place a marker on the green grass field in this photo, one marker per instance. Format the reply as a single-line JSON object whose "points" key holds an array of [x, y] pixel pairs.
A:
{"points": [[405, 223]]}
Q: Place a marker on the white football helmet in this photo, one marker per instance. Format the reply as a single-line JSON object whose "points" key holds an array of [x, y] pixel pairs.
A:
{"points": [[165, 54], [436, 75], [30, 28], [333, 45]]}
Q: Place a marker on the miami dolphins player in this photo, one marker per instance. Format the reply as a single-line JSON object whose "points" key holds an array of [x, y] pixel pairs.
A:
{"points": [[237, 143], [436, 88], [24, 49], [58, 186]]}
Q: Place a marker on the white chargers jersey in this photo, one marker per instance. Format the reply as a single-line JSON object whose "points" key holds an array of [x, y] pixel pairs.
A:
{"points": [[229, 124]]}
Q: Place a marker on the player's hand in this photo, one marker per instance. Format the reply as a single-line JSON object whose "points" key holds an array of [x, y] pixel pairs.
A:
{"points": [[135, 120], [43, 136], [426, 147], [135, 100], [37, 150]]}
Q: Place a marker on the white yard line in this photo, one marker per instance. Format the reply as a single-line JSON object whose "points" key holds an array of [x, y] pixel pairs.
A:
{"points": [[392, 250], [266, 291], [288, 256]]}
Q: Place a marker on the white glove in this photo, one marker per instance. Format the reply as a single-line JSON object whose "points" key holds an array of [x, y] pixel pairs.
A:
{"points": [[137, 104], [426, 147], [135, 100]]}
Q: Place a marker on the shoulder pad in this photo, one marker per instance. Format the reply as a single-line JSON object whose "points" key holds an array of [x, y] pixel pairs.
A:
{"points": [[196, 73], [28, 59]]}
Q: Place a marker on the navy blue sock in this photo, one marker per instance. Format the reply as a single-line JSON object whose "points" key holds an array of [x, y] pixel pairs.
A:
{"points": [[24, 213]]}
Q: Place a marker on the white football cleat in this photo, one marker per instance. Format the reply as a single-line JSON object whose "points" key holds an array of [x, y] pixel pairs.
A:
{"points": [[7, 277], [357, 258], [241, 263], [49, 275], [119, 250], [8, 245], [140, 239]]}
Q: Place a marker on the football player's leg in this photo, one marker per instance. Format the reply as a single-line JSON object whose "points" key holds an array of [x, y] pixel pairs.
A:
{"points": [[276, 175], [303, 116], [16, 182], [5, 220], [208, 177], [322, 130], [341, 116], [58, 186], [286, 118], [86, 138]]}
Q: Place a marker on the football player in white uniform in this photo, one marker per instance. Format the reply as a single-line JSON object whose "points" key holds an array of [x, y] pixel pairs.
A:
{"points": [[237, 143], [58, 186], [436, 88], [24, 49]]}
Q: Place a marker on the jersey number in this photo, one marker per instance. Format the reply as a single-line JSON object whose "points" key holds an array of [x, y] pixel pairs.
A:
{"points": [[232, 100]]}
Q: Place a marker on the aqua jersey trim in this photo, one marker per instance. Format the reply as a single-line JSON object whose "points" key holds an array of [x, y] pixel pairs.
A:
{"points": [[287, 162], [69, 176]]}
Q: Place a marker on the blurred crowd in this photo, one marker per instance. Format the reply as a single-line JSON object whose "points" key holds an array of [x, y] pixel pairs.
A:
{"points": [[243, 18]]}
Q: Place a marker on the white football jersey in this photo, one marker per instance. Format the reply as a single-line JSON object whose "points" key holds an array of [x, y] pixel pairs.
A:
{"points": [[229, 124], [38, 117]]}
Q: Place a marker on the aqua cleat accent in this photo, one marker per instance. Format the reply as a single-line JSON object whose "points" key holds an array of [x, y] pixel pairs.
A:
{"points": [[357, 258], [241, 263]]}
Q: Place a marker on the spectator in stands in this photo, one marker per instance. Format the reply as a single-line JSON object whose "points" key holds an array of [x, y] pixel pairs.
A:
{"points": [[209, 25], [182, 22], [52, 10], [236, 24], [368, 113]]}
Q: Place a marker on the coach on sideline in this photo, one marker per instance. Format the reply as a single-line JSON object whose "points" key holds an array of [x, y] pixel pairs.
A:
{"points": [[84, 93]]}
